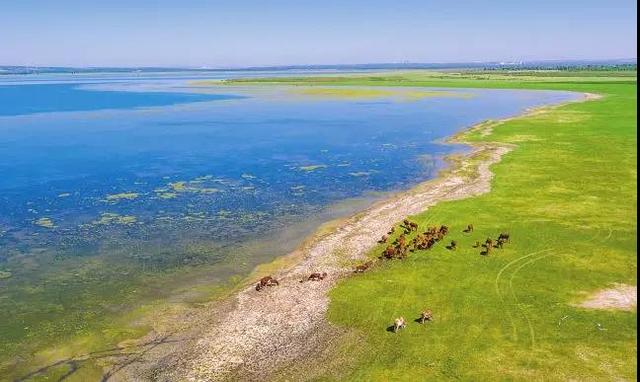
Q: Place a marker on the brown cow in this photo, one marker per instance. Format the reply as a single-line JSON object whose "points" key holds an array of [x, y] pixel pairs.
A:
{"points": [[383, 239], [389, 253], [488, 243], [317, 276], [426, 316], [266, 281], [362, 267]]}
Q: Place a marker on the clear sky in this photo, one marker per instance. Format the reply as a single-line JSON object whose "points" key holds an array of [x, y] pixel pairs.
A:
{"points": [[236, 33]]}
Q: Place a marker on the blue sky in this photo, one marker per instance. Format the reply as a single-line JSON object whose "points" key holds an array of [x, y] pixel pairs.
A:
{"points": [[271, 32]]}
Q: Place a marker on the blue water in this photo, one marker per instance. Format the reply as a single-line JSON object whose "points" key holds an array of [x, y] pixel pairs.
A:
{"points": [[42, 98], [221, 163]]}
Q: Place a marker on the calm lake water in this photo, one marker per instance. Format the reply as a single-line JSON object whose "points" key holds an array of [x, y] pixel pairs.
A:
{"points": [[115, 190]]}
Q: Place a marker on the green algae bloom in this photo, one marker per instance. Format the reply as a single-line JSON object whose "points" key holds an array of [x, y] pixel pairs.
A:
{"points": [[312, 167], [122, 196], [45, 222], [5, 275], [113, 218]]}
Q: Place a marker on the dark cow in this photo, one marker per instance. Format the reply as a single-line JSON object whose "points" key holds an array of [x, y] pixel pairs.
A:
{"points": [[317, 276], [266, 281], [426, 316]]}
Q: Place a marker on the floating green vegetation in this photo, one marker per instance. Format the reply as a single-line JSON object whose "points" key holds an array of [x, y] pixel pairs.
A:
{"points": [[5, 275], [122, 196], [188, 187], [113, 218], [64, 195], [312, 167], [206, 190], [167, 195], [44, 222], [179, 186]]}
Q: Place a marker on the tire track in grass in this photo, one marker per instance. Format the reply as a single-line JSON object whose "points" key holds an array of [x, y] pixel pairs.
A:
{"points": [[514, 330], [517, 300]]}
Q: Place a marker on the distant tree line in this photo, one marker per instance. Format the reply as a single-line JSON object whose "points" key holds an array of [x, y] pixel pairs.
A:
{"points": [[565, 67]]}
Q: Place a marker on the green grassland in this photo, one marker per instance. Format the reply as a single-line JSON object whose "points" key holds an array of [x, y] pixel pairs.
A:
{"points": [[566, 194]]}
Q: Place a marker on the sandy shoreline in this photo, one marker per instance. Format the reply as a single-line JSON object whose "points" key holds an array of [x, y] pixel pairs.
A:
{"points": [[253, 334]]}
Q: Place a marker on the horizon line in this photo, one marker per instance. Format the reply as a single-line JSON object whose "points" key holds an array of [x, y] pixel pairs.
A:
{"points": [[320, 66]]}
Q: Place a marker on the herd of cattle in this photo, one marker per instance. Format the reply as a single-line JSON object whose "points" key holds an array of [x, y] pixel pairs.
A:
{"points": [[399, 248]]}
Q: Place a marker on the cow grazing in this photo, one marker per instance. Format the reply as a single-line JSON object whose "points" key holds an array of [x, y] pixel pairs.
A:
{"points": [[469, 229], [398, 323], [317, 276], [389, 252], [488, 243], [426, 316], [362, 267], [266, 281]]}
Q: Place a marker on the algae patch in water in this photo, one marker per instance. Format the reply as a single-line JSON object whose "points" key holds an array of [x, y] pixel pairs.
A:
{"points": [[113, 218], [189, 187], [114, 198], [312, 167], [44, 222], [167, 195]]}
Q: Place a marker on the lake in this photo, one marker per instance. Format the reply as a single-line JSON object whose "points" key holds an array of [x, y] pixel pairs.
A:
{"points": [[118, 190]]}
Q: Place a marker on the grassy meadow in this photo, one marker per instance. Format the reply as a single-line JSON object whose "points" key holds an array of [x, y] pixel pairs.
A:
{"points": [[567, 196]]}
